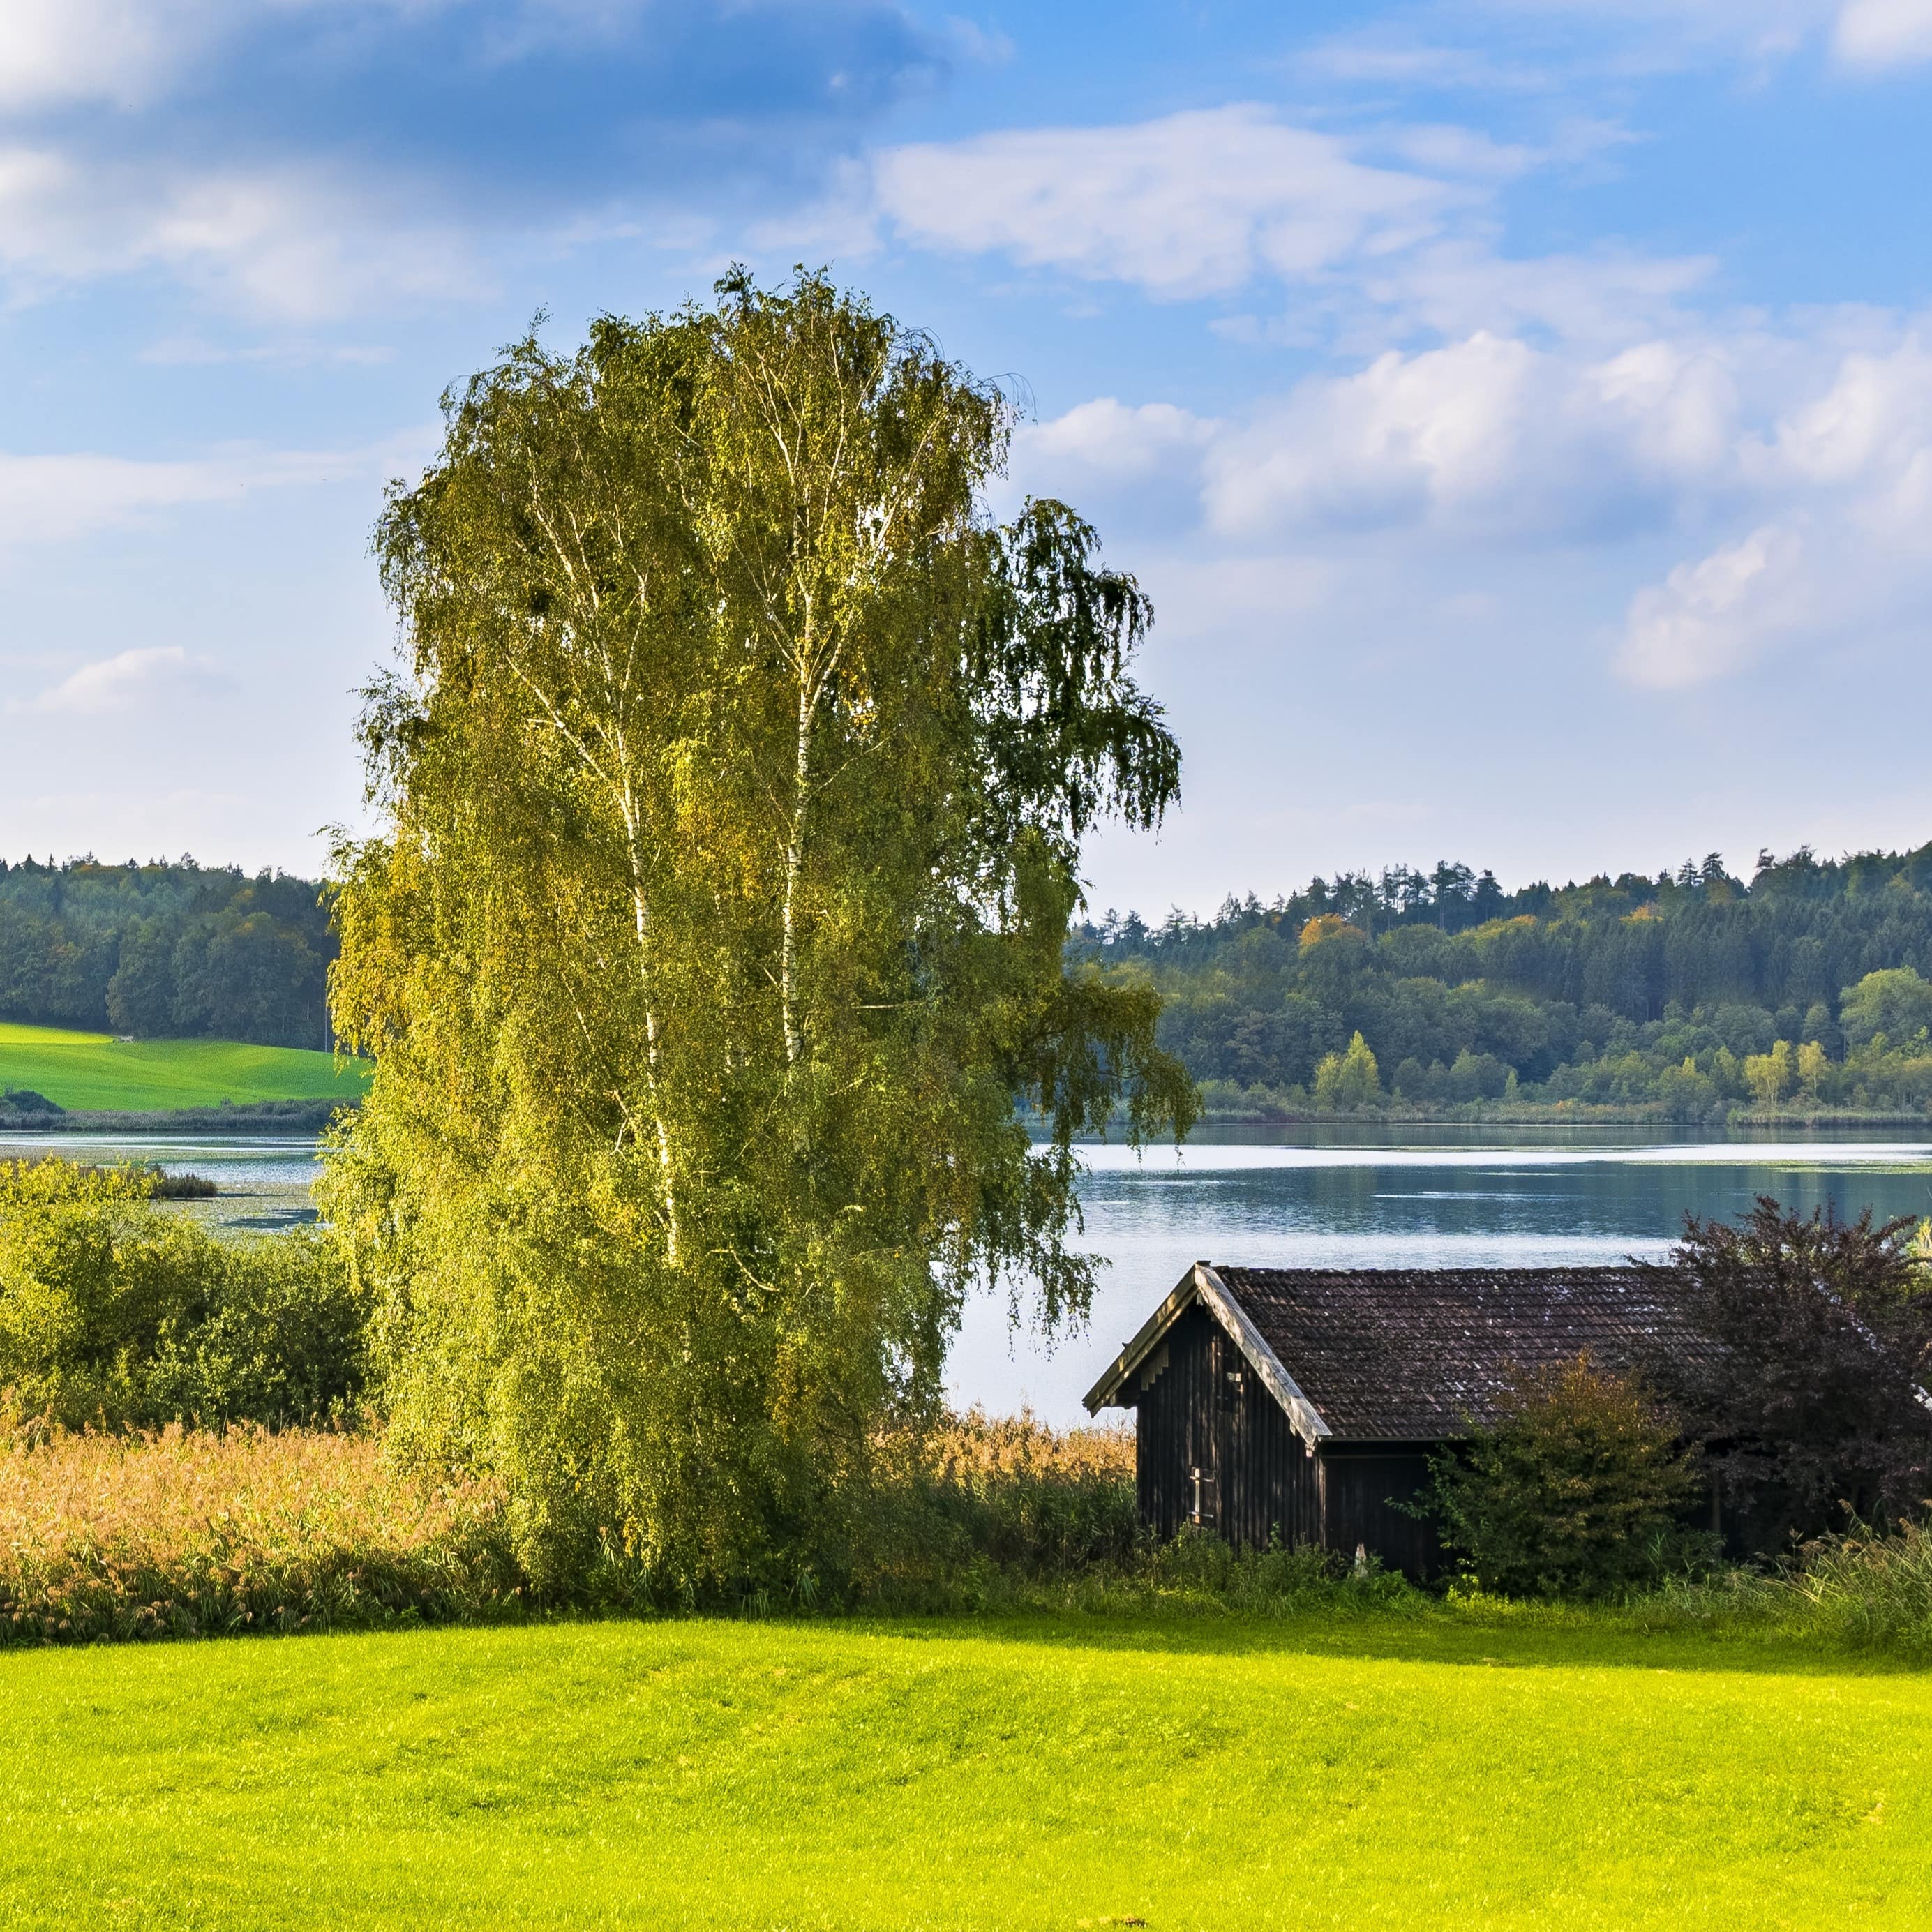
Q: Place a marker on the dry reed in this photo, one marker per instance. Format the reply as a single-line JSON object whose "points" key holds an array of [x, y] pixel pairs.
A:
{"points": [[186, 1533]]}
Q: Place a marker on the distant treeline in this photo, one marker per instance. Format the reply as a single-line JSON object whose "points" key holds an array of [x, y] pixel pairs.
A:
{"points": [[1690, 993], [163, 951]]}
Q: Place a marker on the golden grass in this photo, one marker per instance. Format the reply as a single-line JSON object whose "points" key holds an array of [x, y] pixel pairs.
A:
{"points": [[977, 1447], [180, 1532], [186, 1532]]}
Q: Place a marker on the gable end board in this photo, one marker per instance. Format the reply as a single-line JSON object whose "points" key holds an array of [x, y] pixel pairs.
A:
{"points": [[1204, 1285]]}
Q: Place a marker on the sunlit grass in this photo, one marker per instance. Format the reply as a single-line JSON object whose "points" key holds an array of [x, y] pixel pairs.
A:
{"points": [[1002, 1774], [81, 1071], [1105, 1747]]}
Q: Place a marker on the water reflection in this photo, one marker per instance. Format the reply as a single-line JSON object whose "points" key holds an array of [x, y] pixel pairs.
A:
{"points": [[1345, 1199], [1317, 1197]]}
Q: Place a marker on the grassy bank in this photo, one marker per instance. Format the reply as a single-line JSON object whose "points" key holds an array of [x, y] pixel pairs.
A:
{"points": [[96, 1072], [1017, 1773]]}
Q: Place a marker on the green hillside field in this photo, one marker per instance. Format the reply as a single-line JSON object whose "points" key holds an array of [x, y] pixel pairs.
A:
{"points": [[94, 1071], [985, 1776]]}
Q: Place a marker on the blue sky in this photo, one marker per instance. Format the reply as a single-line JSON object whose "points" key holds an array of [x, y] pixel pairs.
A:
{"points": [[1520, 413]]}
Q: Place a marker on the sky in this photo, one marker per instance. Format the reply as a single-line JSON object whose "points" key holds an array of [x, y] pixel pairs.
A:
{"points": [[1520, 412]]}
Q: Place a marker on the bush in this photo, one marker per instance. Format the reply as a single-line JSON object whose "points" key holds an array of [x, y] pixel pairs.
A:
{"points": [[1822, 1335], [113, 1312], [1576, 1492]]}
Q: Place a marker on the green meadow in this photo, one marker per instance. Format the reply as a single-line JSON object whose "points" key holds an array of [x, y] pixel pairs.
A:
{"points": [[1362, 1771], [94, 1071]]}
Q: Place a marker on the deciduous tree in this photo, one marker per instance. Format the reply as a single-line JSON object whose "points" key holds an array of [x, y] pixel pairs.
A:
{"points": [[713, 958]]}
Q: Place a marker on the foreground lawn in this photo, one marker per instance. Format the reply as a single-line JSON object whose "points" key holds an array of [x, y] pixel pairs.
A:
{"points": [[92, 1071], [1051, 1773]]}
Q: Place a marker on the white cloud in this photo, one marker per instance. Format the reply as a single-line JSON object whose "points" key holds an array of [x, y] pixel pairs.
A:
{"points": [[285, 243], [1797, 478], [1708, 617], [1199, 202], [1107, 437], [118, 683], [120, 51], [1431, 47], [1378, 234], [1884, 33], [55, 498], [1488, 435]]}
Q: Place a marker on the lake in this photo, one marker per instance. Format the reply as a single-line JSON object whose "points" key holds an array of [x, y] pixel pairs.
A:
{"points": [[1407, 1197], [1410, 1197]]}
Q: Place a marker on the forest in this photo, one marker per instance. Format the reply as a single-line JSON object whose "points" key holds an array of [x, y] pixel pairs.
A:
{"points": [[165, 951], [1692, 995]]}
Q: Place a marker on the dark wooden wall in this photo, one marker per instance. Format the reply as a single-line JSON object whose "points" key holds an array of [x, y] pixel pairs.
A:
{"points": [[1204, 1409], [1199, 1406], [1363, 1484]]}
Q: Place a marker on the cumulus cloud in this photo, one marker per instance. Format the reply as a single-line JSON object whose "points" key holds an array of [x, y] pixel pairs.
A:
{"points": [[1197, 202], [122, 683], [1111, 438], [282, 244], [1379, 234], [311, 158], [1553, 43], [1487, 435], [1884, 33], [1795, 480], [1708, 617]]}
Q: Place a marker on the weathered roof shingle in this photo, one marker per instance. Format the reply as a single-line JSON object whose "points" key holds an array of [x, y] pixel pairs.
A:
{"points": [[1413, 1354]]}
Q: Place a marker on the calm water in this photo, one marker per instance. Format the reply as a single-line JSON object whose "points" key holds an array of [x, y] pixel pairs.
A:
{"points": [[264, 1179], [1412, 1197]]}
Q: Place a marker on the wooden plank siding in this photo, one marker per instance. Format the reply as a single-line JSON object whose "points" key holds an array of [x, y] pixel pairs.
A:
{"points": [[1303, 1403], [1362, 1482], [1200, 1407]]}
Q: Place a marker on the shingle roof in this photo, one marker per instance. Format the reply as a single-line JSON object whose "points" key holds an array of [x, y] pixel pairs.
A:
{"points": [[1414, 1354]]}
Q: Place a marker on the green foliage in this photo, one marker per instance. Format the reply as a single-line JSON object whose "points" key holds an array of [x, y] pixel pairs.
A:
{"points": [[113, 1311], [1349, 1080], [1811, 1395], [1573, 1492], [1867, 1592], [161, 950], [1669, 996], [737, 791], [1895, 1002]]}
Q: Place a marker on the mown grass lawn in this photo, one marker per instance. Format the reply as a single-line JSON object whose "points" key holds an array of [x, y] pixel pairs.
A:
{"points": [[1049, 1774], [95, 1071]]}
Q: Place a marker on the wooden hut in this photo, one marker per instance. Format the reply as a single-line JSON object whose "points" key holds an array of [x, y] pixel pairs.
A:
{"points": [[1305, 1403]]}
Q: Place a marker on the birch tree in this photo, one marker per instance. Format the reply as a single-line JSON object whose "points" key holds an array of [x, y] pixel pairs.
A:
{"points": [[711, 956]]}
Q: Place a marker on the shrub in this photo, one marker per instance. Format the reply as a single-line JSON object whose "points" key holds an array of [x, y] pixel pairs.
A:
{"points": [[1810, 1397], [112, 1311], [1574, 1492]]}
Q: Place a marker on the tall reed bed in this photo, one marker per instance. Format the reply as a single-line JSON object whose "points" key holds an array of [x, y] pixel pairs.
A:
{"points": [[1869, 1592], [183, 1533], [177, 1532]]}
